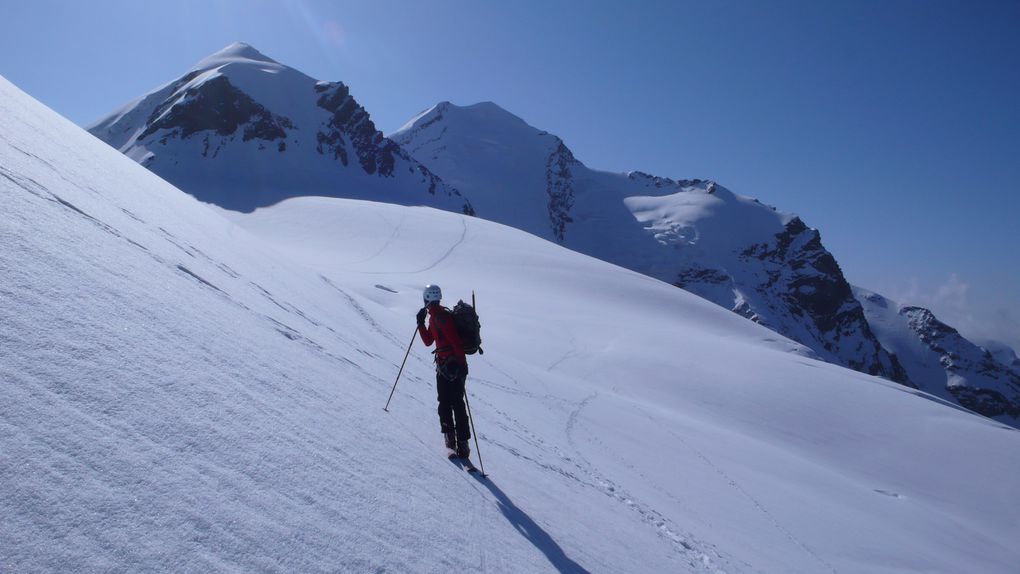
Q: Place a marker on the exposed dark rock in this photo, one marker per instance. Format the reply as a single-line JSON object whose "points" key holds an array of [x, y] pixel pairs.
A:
{"points": [[977, 380], [805, 278], [987, 402], [559, 187], [438, 117], [697, 275], [174, 88], [376, 154], [333, 141], [216, 106], [665, 182]]}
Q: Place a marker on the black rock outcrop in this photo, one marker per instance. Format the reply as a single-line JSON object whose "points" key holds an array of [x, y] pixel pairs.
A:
{"points": [[975, 378], [559, 188], [804, 278]]}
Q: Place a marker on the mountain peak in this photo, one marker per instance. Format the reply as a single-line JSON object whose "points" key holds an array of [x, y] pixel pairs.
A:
{"points": [[489, 111], [481, 115], [242, 130], [243, 50], [236, 52]]}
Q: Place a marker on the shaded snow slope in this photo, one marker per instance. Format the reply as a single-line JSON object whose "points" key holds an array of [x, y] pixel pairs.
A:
{"points": [[763, 264], [944, 363], [242, 131], [194, 393]]}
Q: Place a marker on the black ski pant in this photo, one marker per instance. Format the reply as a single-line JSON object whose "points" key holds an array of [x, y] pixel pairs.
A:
{"points": [[450, 379]]}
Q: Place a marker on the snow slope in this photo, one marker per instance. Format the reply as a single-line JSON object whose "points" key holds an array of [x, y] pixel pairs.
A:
{"points": [[763, 264], [192, 392], [242, 130]]}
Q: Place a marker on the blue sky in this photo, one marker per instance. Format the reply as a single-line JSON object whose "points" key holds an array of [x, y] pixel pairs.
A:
{"points": [[891, 126]]}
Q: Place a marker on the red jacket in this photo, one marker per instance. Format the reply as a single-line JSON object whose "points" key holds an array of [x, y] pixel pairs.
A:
{"points": [[442, 331]]}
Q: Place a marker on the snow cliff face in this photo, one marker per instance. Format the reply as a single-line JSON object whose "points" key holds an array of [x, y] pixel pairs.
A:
{"points": [[762, 264], [243, 131], [942, 362]]}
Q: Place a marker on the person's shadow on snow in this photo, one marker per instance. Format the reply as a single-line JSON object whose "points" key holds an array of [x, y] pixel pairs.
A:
{"points": [[533, 532]]}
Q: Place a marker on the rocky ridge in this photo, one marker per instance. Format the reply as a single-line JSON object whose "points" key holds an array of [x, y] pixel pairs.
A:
{"points": [[942, 361]]}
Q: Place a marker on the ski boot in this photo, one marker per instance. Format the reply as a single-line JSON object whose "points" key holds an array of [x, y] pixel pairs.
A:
{"points": [[463, 449]]}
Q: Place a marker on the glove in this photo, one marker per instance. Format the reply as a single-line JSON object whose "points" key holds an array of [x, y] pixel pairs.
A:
{"points": [[421, 316]]}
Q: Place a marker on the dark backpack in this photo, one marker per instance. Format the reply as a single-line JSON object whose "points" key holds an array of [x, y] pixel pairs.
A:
{"points": [[468, 328]]}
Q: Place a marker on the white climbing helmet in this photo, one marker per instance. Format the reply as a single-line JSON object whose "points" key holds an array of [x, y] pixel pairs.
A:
{"points": [[432, 294]]}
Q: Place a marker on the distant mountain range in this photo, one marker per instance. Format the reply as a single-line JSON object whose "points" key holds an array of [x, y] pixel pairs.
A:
{"points": [[243, 131]]}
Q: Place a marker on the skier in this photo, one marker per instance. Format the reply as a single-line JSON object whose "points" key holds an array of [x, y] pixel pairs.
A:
{"points": [[451, 370]]}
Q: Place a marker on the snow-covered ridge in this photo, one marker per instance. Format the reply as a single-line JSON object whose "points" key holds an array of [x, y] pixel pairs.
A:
{"points": [[242, 131], [763, 264], [198, 391], [942, 362]]}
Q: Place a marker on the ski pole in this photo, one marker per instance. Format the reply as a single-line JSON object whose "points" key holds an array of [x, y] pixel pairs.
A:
{"points": [[409, 345], [467, 403], [471, 420]]}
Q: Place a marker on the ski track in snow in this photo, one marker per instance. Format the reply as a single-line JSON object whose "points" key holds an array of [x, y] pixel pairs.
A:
{"points": [[573, 352], [363, 313], [698, 554], [389, 239], [483, 546], [453, 247], [456, 244], [754, 502]]}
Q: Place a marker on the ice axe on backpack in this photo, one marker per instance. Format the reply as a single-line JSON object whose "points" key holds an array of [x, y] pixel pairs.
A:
{"points": [[465, 318], [475, 307]]}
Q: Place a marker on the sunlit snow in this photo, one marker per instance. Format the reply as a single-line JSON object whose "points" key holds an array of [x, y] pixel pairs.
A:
{"points": [[191, 390]]}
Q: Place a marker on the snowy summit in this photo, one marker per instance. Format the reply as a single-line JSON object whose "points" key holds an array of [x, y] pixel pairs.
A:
{"points": [[243, 131]]}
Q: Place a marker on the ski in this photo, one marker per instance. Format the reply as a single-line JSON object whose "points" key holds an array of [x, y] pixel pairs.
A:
{"points": [[464, 463]]}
